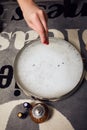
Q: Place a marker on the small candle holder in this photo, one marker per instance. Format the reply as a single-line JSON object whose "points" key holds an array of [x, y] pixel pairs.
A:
{"points": [[39, 112]]}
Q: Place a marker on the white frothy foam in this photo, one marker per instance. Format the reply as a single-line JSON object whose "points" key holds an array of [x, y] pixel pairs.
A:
{"points": [[49, 71]]}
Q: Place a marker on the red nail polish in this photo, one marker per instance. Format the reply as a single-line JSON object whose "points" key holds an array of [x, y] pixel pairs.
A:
{"points": [[46, 42]]}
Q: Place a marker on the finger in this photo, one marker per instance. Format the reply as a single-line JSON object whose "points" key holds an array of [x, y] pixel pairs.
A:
{"points": [[44, 19], [37, 25], [44, 32]]}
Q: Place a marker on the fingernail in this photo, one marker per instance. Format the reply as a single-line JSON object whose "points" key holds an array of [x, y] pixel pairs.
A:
{"points": [[46, 42]]}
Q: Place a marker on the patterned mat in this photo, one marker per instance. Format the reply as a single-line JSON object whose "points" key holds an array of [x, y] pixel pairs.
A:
{"points": [[66, 21]]}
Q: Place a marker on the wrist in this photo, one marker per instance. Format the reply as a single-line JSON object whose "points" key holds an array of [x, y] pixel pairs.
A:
{"points": [[24, 4]]}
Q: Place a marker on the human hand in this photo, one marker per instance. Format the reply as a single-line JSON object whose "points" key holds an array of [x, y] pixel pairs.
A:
{"points": [[36, 18]]}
